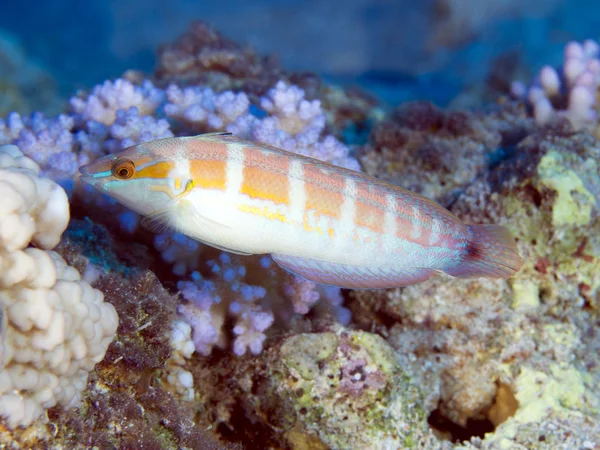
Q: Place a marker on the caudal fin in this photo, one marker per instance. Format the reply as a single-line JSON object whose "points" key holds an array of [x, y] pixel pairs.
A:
{"points": [[492, 253]]}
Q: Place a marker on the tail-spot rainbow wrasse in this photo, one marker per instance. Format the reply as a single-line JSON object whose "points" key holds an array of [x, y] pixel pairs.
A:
{"points": [[321, 222]]}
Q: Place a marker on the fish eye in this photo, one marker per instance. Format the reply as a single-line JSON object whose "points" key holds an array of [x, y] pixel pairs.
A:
{"points": [[123, 168]]}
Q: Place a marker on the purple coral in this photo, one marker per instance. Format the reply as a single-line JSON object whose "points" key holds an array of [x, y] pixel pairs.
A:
{"points": [[335, 152], [294, 124], [225, 291], [102, 104], [131, 128], [118, 114], [48, 141], [203, 108], [575, 85], [205, 311], [181, 251], [202, 312], [252, 321], [302, 294], [293, 112], [358, 375]]}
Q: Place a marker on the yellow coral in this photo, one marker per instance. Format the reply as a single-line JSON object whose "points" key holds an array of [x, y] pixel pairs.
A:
{"points": [[540, 394], [526, 295], [574, 202]]}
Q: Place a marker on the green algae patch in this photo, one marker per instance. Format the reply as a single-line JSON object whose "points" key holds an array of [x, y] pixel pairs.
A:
{"points": [[560, 391], [563, 335], [378, 349], [574, 203], [554, 251], [304, 352], [538, 392], [346, 390], [526, 295]]}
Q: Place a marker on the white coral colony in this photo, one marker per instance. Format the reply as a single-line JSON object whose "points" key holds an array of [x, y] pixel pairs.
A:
{"points": [[55, 327]]}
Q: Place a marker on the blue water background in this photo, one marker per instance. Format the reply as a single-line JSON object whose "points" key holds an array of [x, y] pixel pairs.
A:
{"points": [[380, 44]]}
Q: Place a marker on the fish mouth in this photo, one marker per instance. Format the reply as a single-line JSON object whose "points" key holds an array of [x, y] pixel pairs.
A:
{"points": [[85, 170], [87, 177], [93, 182]]}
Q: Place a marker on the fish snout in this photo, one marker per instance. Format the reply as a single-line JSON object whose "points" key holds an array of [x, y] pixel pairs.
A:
{"points": [[91, 176], [85, 170]]}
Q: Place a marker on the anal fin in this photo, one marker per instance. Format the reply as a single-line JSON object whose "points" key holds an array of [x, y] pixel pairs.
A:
{"points": [[350, 276]]}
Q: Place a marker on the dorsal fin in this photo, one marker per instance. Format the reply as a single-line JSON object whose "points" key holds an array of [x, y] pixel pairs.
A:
{"points": [[213, 134]]}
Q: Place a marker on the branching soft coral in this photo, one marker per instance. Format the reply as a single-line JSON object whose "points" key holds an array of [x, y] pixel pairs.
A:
{"points": [[570, 91], [209, 302], [201, 107], [48, 141], [102, 104]]}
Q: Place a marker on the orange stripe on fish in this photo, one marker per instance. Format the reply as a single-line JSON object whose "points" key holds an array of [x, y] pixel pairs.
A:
{"points": [[265, 176], [370, 213], [161, 169], [412, 232], [324, 191], [209, 174], [208, 163]]}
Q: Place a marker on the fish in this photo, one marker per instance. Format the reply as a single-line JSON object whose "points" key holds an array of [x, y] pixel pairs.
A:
{"points": [[321, 222]]}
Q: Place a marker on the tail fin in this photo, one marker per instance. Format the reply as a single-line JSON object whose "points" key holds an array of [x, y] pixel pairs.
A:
{"points": [[492, 252]]}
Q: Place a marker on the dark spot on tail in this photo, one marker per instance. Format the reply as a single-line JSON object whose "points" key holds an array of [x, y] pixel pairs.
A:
{"points": [[472, 251]]}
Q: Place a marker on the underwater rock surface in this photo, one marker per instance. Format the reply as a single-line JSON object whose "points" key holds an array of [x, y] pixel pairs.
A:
{"points": [[522, 351], [338, 389], [224, 351]]}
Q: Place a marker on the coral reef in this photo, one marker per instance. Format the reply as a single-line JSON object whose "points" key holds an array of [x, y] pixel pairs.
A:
{"points": [[101, 105], [131, 399], [339, 388], [569, 92], [253, 291], [48, 141], [485, 342], [122, 113], [55, 327], [215, 350], [321, 386], [437, 153]]}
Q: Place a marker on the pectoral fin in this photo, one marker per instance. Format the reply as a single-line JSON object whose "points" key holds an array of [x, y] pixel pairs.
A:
{"points": [[175, 218], [220, 247]]}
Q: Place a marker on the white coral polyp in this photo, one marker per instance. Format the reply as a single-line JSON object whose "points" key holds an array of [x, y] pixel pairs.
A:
{"points": [[56, 327]]}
